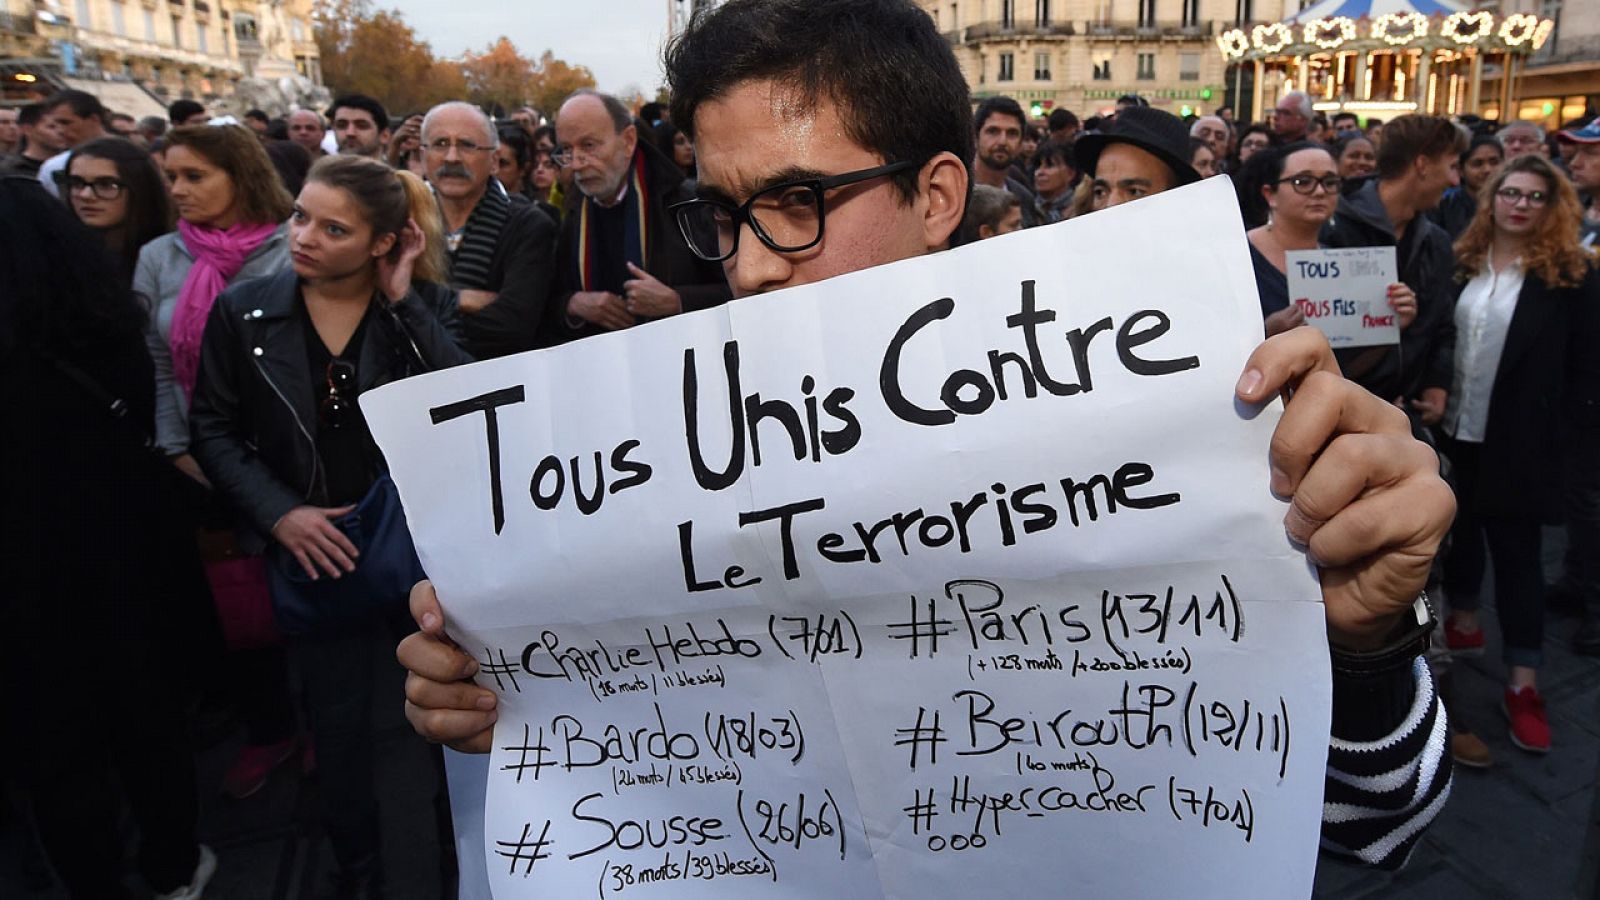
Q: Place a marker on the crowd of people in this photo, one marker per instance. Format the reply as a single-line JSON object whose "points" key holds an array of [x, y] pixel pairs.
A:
{"points": [[194, 304]]}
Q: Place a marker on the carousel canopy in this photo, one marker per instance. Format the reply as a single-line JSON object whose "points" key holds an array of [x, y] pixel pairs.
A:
{"points": [[1372, 9], [1361, 25]]}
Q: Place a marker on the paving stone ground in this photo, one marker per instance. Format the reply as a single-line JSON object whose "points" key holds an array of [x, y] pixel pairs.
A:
{"points": [[1527, 828]]}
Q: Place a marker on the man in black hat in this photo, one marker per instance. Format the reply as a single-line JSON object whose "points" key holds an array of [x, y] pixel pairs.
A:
{"points": [[1144, 152]]}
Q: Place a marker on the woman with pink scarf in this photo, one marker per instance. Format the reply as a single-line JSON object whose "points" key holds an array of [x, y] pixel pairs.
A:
{"points": [[231, 206]]}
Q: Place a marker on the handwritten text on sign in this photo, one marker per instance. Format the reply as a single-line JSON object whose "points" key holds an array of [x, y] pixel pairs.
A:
{"points": [[947, 574], [1344, 293]]}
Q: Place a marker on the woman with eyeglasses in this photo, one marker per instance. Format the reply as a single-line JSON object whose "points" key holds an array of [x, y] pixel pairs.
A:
{"points": [[278, 430], [1526, 390], [114, 187], [1301, 191]]}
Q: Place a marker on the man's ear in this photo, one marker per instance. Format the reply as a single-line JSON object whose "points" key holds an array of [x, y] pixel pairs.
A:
{"points": [[942, 192], [630, 139], [985, 231]]}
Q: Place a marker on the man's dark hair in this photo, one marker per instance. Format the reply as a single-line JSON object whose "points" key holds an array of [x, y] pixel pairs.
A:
{"points": [[1345, 117], [1132, 100], [521, 145], [998, 106], [1059, 151], [899, 91], [180, 110], [364, 103], [31, 115], [620, 117], [259, 116], [1062, 118], [1412, 136], [651, 112], [82, 103]]}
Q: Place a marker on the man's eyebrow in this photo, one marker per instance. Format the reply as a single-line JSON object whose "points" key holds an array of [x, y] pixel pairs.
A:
{"points": [[750, 187]]}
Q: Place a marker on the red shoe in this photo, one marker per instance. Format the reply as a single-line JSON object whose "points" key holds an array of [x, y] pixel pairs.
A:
{"points": [[252, 766], [1530, 730], [1463, 643]]}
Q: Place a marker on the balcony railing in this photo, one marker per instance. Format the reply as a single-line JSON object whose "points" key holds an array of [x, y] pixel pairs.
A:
{"points": [[985, 30], [18, 24], [1171, 31]]}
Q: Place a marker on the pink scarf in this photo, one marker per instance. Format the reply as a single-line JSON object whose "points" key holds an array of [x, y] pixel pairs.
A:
{"points": [[218, 256]]}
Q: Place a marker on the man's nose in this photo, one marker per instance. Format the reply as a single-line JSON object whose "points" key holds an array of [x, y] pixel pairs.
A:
{"points": [[755, 267]]}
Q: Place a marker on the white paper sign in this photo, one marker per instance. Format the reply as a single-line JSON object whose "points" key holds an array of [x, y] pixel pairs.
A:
{"points": [[1344, 292], [948, 577]]}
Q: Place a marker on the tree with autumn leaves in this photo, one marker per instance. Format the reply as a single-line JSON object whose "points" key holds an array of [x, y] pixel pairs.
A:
{"points": [[375, 52]]}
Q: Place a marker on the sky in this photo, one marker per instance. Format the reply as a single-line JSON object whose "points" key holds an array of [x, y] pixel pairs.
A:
{"points": [[619, 40]]}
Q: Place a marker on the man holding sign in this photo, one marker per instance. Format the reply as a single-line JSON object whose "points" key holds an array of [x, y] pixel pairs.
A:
{"points": [[857, 109]]}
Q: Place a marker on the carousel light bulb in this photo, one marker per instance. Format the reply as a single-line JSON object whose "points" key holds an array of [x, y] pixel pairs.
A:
{"points": [[1518, 29], [1272, 38], [1543, 33], [1330, 33], [1467, 28], [1397, 29]]}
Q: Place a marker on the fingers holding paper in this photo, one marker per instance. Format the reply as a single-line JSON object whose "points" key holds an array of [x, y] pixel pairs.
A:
{"points": [[442, 703], [1366, 499]]}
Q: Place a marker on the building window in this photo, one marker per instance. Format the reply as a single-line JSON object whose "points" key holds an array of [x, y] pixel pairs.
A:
{"points": [[119, 21], [1147, 67], [955, 16], [1191, 13], [1041, 67], [1041, 13], [298, 29], [1147, 13], [1008, 13], [149, 26], [1188, 67], [1007, 67], [200, 39], [1243, 11], [177, 32], [83, 14], [1102, 67]]}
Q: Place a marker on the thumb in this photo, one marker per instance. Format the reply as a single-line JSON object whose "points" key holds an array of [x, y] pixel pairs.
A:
{"points": [[637, 271], [336, 512]]}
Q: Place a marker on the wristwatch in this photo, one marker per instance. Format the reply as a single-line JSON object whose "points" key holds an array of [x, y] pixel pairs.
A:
{"points": [[1409, 640]]}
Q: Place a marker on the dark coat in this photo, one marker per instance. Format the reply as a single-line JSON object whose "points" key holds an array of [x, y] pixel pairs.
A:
{"points": [[521, 274], [1545, 403], [701, 284], [1425, 357], [253, 419]]}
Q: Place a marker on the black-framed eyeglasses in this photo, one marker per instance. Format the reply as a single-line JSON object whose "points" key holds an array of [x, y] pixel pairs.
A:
{"points": [[1512, 196], [786, 217], [106, 188], [339, 407], [1307, 184]]}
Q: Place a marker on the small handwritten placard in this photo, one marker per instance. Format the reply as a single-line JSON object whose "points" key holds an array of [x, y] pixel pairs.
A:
{"points": [[1344, 292]]}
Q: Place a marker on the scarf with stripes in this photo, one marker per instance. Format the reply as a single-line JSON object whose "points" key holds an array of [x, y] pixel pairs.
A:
{"points": [[470, 260]]}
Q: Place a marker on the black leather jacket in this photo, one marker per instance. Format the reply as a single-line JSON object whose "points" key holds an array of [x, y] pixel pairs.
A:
{"points": [[253, 417]]}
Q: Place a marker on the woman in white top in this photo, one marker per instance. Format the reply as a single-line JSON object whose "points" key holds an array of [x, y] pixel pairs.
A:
{"points": [[1525, 400]]}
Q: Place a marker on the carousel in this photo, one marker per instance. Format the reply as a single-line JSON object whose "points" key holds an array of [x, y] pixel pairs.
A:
{"points": [[1384, 57]]}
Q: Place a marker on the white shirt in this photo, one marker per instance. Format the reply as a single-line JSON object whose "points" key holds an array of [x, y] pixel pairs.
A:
{"points": [[1483, 316], [48, 170]]}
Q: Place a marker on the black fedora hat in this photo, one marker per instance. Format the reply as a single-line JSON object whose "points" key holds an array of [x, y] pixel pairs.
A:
{"points": [[1151, 130]]}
